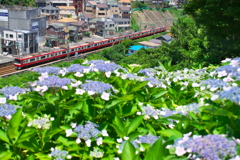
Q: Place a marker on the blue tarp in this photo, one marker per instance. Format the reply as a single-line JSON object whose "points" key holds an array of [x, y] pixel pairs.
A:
{"points": [[137, 47]]}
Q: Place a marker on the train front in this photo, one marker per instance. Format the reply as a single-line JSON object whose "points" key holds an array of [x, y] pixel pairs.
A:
{"points": [[17, 63]]}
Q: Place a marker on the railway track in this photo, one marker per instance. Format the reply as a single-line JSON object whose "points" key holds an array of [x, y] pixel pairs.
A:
{"points": [[10, 70]]}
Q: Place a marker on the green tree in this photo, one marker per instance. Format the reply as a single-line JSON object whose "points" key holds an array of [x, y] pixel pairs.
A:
{"points": [[220, 19]]}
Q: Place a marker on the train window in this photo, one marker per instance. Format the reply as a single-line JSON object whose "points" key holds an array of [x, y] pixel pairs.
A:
{"points": [[32, 59], [72, 50], [63, 52], [95, 44], [43, 57], [25, 61], [17, 61]]}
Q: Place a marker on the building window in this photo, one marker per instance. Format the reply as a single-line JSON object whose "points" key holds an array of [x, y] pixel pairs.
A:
{"points": [[11, 36], [6, 35], [19, 36]]}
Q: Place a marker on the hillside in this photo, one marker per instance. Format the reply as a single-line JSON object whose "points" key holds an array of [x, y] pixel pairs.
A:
{"points": [[147, 19]]}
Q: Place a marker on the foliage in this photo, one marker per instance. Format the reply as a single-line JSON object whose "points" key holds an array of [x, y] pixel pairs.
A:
{"points": [[134, 25], [17, 2], [95, 111], [221, 25], [137, 4]]}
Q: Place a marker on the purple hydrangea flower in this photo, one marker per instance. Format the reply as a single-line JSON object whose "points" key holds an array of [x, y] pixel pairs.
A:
{"points": [[209, 147], [77, 68], [96, 86], [49, 70], [87, 131], [7, 110], [54, 81], [58, 154], [107, 67], [12, 91]]}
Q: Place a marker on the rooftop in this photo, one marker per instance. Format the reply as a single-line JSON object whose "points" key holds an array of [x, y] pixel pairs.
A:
{"points": [[78, 23], [88, 15], [67, 20], [156, 41], [124, 8], [66, 7], [124, 1], [150, 44], [137, 47], [92, 3], [121, 19], [49, 7], [102, 6], [57, 25]]}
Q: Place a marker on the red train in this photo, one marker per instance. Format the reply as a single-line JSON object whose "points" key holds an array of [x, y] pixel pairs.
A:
{"points": [[24, 62]]}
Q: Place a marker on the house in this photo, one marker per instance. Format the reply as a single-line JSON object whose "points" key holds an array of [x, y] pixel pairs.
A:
{"points": [[165, 38], [134, 49], [91, 8], [66, 11], [114, 10], [125, 12], [56, 35], [82, 26], [51, 13], [85, 17], [124, 3], [104, 26], [102, 10], [74, 35], [122, 24], [54, 3], [27, 28], [79, 6]]}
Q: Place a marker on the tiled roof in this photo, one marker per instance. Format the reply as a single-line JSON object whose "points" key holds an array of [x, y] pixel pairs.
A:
{"points": [[92, 3], [67, 20], [88, 15], [156, 41], [57, 25], [102, 6], [124, 8], [49, 7], [124, 1], [79, 23]]}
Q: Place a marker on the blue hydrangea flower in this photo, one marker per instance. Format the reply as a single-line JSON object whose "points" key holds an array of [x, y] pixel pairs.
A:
{"points": [[7, 110], [192, 107], [107, 67], [77, 68], [11, 91], [58, 154], [148, 72], [149, 112], [95, 62], [96, 86], [49, 70], [232, 94], [209, 147], [153, 82], [214, 84], [87, 131], [54, 81], [131, 76]]}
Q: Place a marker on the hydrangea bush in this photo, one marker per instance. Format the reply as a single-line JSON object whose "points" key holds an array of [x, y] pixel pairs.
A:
{"points": [[100, 110]]}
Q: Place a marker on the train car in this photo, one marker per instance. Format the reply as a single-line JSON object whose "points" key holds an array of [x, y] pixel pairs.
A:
{"points": [[25, 62]]}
